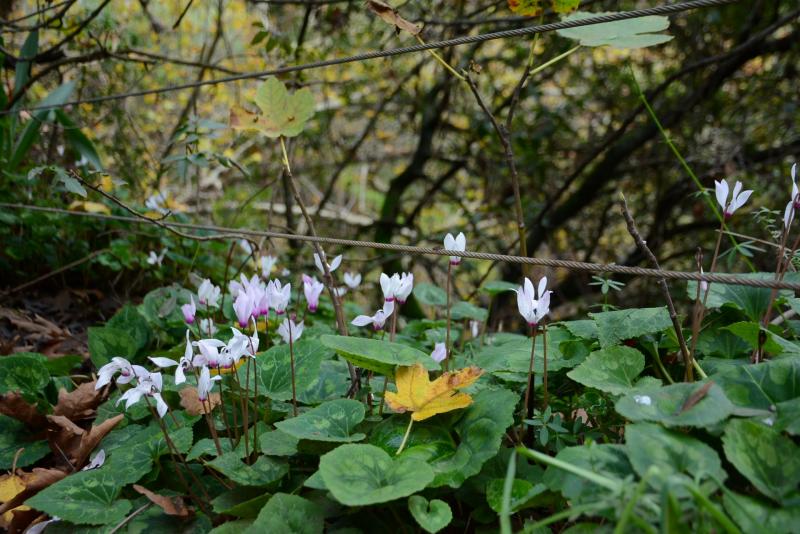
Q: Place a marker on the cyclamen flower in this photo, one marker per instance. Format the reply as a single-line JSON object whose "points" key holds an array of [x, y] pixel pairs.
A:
{"points": [[126, 370], [184, 364], [207, 326], [246, 246], [290, 331], [189, 310], [209, 353], [267, 264], [208, 294], [205, 384], [379, 319], [245, 285], [96, 461], [794, 202], [244, 307], [738, 198], [533, 305], [405, 287], [332, 266], [352, 280], [279, 295], [439, 352], [239, 346], [148, 385], [156, 259], [475, 328], [396, 287], [458, 243], [312, 289]]}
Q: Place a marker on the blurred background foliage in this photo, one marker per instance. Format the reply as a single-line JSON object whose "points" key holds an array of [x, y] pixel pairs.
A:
{"points": [[398, 150]]}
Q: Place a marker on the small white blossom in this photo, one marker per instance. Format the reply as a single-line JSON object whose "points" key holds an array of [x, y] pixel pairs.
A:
{"points": [[439, 352], [458, 243], [290, 331], [738, 198], [352, 280], [379, 319], [332, 266]]}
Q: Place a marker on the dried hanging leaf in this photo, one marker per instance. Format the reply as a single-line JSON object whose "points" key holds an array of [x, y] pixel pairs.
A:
{"points": [[191, 401], [75, 442], [78, 403], [390, 15], [416, 393], [170, 505]]}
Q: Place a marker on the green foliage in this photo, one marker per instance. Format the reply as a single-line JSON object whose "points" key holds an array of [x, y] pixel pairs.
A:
{"points": [[263, 472], [359, 475], [631, 33], [282, 113], [430, 294], [288, 513], [669, 406], [431, 515], [378, 356], [13, 437], [275, 371], [613, 369], [332, 421], [614, 327], [23, 373]]}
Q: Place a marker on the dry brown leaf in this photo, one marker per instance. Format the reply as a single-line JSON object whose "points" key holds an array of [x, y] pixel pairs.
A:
{"points": [[191, 401], [90, 439], [79, 403], [390, 15], [170, 505], [75, 442], [14, 405]]}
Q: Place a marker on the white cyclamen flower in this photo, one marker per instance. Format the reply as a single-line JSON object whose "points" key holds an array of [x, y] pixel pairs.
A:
{"points": [[189, 310], [458, 243], [312, 289], [290, 331], [149, 386], [209, 353], [208, 294], [279, 295], [267, 264], [379, 319], [439, 352], [205, 384], [533, 304], [184, 364], [156, 259], [352, 280], [738, 198], [97, 461], [332, 266], [207, 326], [126, 370], [794, 202]]}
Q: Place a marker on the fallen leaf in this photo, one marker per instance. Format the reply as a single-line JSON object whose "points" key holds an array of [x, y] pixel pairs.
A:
{"points": [[416, 393], [695, 397], [33, 483], [170, 505], [10, 487], [390, 15], [75, 442], [191, 401], [79, 403], [14, 405]]}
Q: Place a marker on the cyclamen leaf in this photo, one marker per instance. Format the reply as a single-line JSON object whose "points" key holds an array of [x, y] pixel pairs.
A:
{"points": [[360, 475], [332, 421], [417, 394], [288, 513], [612, 370], [432, 515], [616, 326], [375, 355]]}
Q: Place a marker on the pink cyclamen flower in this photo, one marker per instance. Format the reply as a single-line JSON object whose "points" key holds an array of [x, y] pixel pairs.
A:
{"points": [[458, 243], [379, 319], [189, 311], [243, 306], [533, 304], [439, 352], [738, 198], [312, 289]]}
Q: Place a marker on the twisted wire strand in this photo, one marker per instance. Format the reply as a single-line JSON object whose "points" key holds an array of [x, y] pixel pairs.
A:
{"points": [[377, 54], [418, 251]]}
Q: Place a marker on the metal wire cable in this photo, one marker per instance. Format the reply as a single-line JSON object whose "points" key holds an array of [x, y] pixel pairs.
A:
{"points": [[377, 54], [415, 250]]}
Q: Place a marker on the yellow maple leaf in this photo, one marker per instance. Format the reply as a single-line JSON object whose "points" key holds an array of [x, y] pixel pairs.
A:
{"points": [[417, 394], [10, 487]]}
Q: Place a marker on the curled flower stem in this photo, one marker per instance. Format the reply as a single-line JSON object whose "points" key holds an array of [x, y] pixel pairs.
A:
{"points": [[405, 437]]}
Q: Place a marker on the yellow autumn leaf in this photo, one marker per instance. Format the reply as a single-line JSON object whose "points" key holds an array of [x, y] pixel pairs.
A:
{"points": [[10, 487], [89, 207], [417, 394]]}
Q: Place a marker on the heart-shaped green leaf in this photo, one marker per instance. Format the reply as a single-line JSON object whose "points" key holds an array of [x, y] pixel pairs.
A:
{"points": [[288, 513], [275, 368], [608, 460], [263, 472], [430, 294], [359, 475], [510, 360], [281, 113], [612, 369], [332, 421], [629, 33], [768, 459], [25, 374], [464, 310], [432, 515], [375, 355], [673, 405], [15, 436]]}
